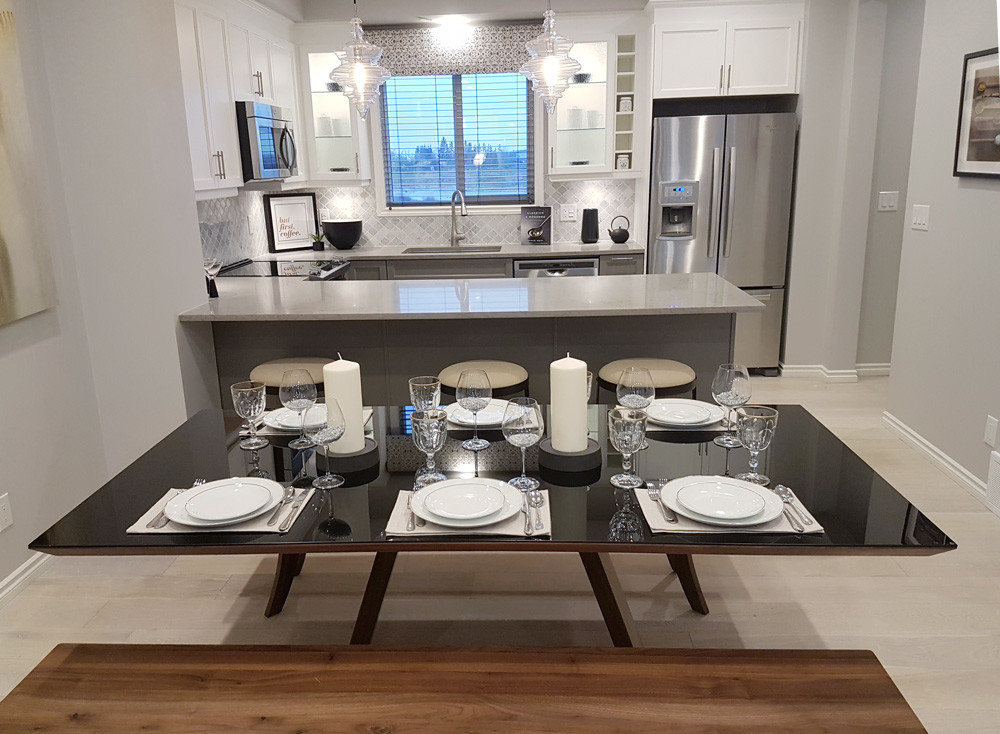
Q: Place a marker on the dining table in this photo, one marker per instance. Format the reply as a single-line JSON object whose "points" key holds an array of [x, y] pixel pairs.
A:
{"points": [[856, 512]]}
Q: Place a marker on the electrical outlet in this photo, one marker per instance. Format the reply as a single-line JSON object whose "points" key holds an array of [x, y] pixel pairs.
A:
{"points": [[6, 517], [567, 213], [888, 201], [921, 217], [990, 437], [324, 214]]}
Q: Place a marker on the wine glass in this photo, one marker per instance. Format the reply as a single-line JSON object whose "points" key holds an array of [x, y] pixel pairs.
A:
{"points": [[731, 389], [627, 430], [473, 393], [425, 392], [635, 390], [298, 392], [248, 399], [590, 384], [523, 427], [212, 267], [755, 426], [430, 430], [324, 434]]}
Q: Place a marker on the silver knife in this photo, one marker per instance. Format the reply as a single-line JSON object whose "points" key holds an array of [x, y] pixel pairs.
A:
{"points": [[287, 522], [528, 528]]}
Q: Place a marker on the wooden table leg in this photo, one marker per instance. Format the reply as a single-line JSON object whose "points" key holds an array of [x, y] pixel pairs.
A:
{"points": [[289, 565], [610, 597], [683, 566], [371, 603]]}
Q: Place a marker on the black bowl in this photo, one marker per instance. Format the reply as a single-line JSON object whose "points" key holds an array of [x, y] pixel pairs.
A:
{"points": [[342, 233]]}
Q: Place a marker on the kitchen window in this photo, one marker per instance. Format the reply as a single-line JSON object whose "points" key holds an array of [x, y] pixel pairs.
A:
{"points": [[468, 132]]}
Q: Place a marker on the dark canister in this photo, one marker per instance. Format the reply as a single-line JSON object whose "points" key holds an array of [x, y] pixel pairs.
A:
{"points": [[588, 231]]}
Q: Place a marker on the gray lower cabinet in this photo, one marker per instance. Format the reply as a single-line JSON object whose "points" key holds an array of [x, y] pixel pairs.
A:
{"points": [[622, 264], [469, 267], [367, 270]]}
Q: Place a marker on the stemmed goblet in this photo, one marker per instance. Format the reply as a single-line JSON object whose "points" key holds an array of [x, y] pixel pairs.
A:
{"points": [[425, 392], [298, 393], [430, 431], [635, 390], [212, 267], [473, 393], [248, 399], [627, 430], [755, 426], [731, 389], [324, 434], [523, 427]]}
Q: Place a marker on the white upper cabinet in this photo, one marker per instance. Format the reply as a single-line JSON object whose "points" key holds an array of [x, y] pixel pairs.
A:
{"points": [[726, 50]]}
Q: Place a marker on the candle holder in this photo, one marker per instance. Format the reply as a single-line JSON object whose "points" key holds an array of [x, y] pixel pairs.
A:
{"points": [[355, 462], [577, 461]]}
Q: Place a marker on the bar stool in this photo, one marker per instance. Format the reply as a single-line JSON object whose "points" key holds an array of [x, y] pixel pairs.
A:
{"points": [[506, 378], [270, 372], [669, 376]]}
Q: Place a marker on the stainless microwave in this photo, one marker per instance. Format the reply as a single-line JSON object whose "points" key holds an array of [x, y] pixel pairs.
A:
{"points": [[267, 142]]}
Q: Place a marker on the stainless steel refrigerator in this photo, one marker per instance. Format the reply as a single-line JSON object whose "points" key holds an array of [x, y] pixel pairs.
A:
{"points": [[720, 199]]}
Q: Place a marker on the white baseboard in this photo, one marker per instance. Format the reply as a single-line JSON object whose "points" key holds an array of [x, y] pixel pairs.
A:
{"points": [[972, 484], [873, 369], [818, 372], [19, 578]]}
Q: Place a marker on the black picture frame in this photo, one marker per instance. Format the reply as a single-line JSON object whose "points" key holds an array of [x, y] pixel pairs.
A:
{"points": [[301, 210], [979, 116]]}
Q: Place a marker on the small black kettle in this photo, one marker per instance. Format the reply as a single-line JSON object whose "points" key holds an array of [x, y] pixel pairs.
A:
{"points": [[619, 235]]}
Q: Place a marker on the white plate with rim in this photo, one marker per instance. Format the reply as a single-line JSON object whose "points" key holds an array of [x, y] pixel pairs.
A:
{"points": [[284, 419], [226, 500], [720, 500], [462, 500], [491, 415], [772, 503], [683, 413], [513, 500], [175, 508]]}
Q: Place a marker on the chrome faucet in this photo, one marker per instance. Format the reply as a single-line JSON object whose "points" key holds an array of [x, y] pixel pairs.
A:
{"points": [[456, 234]]}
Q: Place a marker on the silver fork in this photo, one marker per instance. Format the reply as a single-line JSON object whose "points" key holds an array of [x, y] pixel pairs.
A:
{"points": [[654, 494], [161, 519]]}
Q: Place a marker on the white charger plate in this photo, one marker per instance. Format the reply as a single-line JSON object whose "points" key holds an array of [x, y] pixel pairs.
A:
{"points": [[491, 415], [720, 500], [681, 412], [463, 500], [772, 503], [226, 501], [176, 512], [513, 500]]}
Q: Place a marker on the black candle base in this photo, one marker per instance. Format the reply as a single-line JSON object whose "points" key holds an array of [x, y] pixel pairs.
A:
{"points": [[358, 461], [579, 461]]}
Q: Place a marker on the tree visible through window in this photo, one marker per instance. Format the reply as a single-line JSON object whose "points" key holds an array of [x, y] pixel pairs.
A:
{"points": [[428, 120]]}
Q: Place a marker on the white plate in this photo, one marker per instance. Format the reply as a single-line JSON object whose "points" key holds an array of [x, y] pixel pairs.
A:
{"points": [[683, 413], [720, 500], [227, 500], [772, 503], [284, 419], [175, 511], [511, 506], [465, 500], [491, 415]]}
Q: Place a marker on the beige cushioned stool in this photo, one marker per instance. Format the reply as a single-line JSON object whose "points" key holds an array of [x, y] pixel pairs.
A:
{"points": [[669, 376], [270, 372], [506, 378]]}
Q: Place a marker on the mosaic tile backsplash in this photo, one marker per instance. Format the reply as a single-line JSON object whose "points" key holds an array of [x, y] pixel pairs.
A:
{"points": [[233, 228]]}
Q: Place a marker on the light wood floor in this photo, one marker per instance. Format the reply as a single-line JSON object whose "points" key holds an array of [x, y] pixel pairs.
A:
{"points": [[933, 622]]}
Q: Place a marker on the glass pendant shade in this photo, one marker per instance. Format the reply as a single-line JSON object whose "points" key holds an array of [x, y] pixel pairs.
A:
{"points": [[550, 67], [359, 74]]}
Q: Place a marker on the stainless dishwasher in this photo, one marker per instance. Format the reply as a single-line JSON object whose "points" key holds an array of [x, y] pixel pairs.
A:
{"points": [[560, 268]]}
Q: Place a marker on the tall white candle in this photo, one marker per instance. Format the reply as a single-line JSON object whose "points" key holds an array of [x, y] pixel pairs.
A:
{"points": [[342, 381], [568, 423]]}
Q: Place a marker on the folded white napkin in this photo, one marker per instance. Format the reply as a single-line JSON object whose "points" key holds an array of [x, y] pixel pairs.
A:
{"points": [[513, 526], [683, 525], [254, 525]]}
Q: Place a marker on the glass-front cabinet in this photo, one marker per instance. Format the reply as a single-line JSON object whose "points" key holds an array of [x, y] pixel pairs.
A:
{"points": [[581, 132], [337, 139]]}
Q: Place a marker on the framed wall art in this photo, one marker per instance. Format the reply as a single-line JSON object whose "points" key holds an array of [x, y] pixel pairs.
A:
{"points": [[977, 146], [291, 221]]}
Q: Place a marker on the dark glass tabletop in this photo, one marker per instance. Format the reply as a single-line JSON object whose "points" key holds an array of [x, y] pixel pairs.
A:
{"points": [[859, 510]]}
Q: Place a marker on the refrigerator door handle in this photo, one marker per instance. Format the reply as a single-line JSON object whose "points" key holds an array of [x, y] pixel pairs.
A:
{"points": [[727, 243], [713, 219]]}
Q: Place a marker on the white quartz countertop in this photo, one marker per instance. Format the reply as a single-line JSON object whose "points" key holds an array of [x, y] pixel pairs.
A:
{"points": [[291, 299], [395, 252]]}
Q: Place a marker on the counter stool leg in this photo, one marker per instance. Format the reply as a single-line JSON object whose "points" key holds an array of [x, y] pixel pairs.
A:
{"points": [[289, 565], [683, 566], [371, 603], [610, 598]]}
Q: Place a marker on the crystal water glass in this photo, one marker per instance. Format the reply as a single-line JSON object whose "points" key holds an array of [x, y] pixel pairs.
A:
{"points": [[473, 393], [730, 389], [635, 388], [429, 429], [627, 431], [324, 434], [755, 426], [425, 392], [248, 399], [590, 384], [298, 393], [523, 426]]}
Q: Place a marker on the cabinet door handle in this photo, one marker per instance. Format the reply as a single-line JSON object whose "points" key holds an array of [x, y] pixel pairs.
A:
{"points": [[260, 84], [357, 163], [222, 162], [552, 158], [217, 155], [623, 259], [729, 77], [722, 69]]}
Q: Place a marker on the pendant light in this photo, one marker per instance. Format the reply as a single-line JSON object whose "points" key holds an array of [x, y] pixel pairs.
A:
{"points": [[359, 74], [550, 67]]}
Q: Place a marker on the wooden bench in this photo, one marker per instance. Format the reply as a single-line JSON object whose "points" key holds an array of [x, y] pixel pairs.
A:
{"points": [[172, 688]]}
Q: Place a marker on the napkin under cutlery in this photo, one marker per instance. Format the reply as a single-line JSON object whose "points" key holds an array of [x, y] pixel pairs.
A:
{"points": [[512, 526], [253, 525]]}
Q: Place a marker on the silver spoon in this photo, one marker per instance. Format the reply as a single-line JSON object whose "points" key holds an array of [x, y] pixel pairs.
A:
{"points": [[536, 499], [789, 499], [289, 496]]}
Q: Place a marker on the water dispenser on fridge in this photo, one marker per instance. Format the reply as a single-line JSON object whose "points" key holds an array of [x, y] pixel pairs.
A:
{"points": [[677, 202]]}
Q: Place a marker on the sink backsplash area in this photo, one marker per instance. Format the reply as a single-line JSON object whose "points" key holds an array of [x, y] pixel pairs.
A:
{"points": [[233, 228]]}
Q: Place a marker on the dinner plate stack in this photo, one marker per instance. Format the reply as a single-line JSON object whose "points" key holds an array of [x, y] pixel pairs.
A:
{"points": [[683, 413], [466, 503], [224, 502], [722, 501]]}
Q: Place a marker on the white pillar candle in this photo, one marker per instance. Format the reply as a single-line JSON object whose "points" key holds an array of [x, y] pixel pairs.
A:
{"points": [[568, 424], [342, 382]]}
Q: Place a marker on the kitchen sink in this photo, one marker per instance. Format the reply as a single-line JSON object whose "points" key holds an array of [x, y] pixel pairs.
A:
{"points": [[451, 250]]}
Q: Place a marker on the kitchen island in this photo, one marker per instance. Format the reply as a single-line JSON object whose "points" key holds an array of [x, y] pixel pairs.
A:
{"points": [[398, 329]]}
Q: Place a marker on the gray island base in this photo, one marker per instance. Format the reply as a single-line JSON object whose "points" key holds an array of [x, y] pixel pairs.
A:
{"points": [[399, 329]]}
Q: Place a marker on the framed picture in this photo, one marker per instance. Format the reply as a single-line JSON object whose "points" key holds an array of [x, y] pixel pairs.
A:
{"points": [[291, 221], [625, 103], [977, 146]]}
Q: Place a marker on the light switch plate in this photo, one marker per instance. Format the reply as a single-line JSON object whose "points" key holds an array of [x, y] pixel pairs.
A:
{"points": [[324, 214], [567, 213], [990, 436], [921, 217], [6, 517], [888, 201]]}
